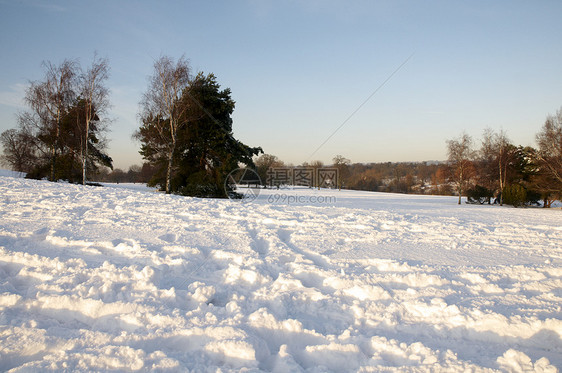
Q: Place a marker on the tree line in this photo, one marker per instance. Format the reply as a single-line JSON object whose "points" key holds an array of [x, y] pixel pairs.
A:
{"points": [[493, 170], [393, 177], [185, 132], [507, 173]]}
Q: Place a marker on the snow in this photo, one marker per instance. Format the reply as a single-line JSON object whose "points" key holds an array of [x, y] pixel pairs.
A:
{"points": [[11, 173], [122, 277]]}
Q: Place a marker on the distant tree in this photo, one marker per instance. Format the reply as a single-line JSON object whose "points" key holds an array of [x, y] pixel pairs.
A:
{"points": [[402, 177], [342, 164], [439, 178], [549, 155], [118, 176], [486, 165], [409, 181], [163, 111], [315, 165], [264, 163], [18, 150], [102, 175], [425, 171], [460, 155], [133, 174], [95, 94], [364, 177]]}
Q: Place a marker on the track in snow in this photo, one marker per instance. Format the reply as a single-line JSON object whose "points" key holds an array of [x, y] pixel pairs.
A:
{"points": [[112, 278]]}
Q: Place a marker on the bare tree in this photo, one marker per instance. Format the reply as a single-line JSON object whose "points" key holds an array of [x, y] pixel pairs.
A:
{"points": [[95, 94], [162, 103], [18, 150], [549, 155], [505, 153], [315, 165], [460, 154], [496, 161], [49, 100], [341, 163], [487, 169], [264, 164]]}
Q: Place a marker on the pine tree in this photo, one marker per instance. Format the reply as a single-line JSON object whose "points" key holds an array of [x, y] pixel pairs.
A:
{"points": [[204, 148]]}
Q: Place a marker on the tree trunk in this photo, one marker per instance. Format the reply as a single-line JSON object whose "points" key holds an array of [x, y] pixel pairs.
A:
{"points": [[460, 185], [501, 180], [170, 156], [53, 155], [85, 156], [169, 171], [55, 144]]}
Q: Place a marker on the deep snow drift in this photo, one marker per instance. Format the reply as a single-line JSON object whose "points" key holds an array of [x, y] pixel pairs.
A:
{"points": [[111, 278]]}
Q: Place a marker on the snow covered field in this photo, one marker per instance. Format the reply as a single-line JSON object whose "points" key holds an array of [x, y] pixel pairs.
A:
{"points": [[100, 278]]}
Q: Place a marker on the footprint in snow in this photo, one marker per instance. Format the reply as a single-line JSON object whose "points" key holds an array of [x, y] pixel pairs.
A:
{"points": [[258, 244], [285, 235], [168, 237]]}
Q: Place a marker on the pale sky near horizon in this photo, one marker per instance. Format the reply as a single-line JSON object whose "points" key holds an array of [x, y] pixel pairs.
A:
{"points": [[299, 69]]}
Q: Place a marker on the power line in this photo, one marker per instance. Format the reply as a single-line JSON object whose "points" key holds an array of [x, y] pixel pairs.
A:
{"points": [[363, 103]]}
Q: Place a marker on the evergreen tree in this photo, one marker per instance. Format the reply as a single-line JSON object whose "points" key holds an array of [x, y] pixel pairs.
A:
{"points": [[205, 150]]}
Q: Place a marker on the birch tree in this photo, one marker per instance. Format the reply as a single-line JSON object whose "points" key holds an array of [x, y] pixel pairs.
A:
{"points": [[163, 104], [505, 154], [49, 100], [95, 95], [460, 154]]}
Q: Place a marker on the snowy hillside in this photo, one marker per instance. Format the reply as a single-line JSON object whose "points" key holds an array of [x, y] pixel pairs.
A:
{"points": [[98, 278]]}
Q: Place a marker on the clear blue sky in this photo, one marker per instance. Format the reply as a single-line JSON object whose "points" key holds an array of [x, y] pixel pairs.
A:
{"points": [[298, 69]]}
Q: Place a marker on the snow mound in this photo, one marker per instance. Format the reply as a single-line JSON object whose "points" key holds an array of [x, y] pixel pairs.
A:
{"points": [[123, 278]]}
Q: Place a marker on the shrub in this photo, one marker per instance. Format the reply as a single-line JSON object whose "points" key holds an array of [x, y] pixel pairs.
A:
{"points": [[479, 194], [515, 195]]}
